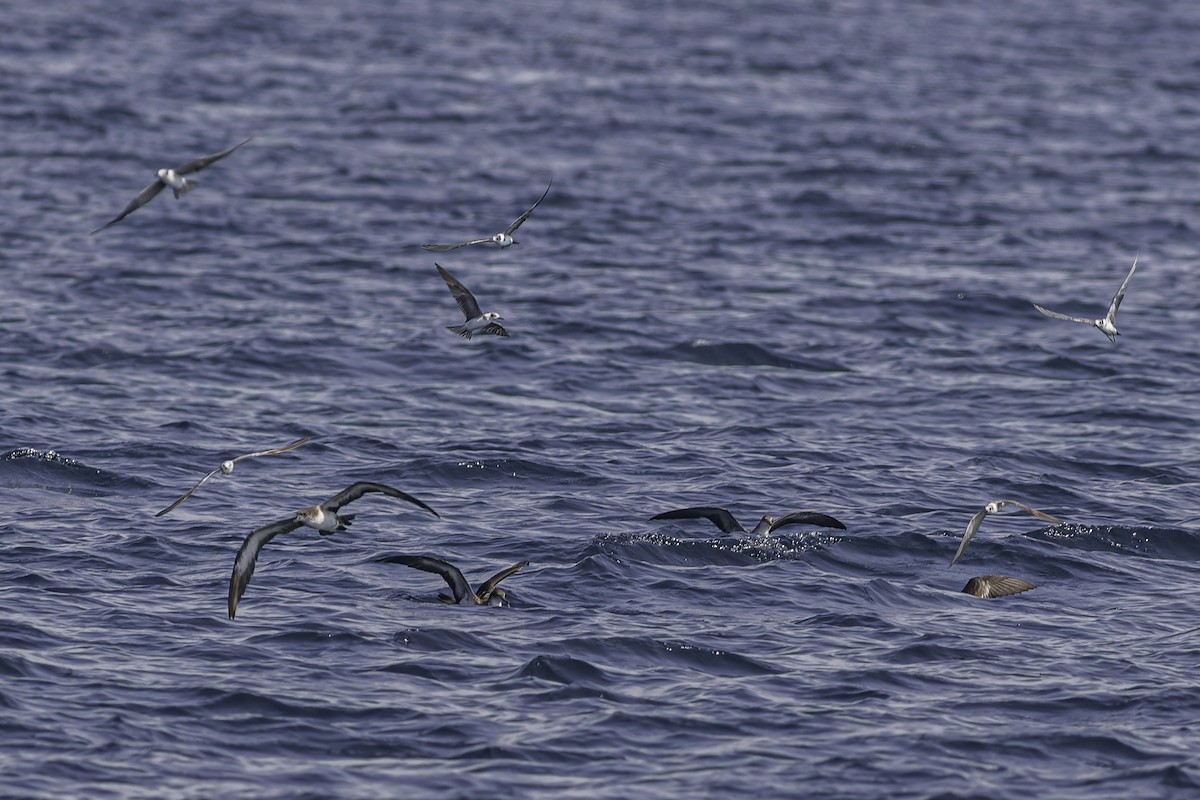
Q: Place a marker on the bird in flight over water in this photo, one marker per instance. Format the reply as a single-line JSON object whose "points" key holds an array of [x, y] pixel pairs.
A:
{"points": [[477, 321], [726, 522], [175, 178], [996, 586], [227, 467], [504, 239], [488, 594], [991, 508], [1108, 325]]}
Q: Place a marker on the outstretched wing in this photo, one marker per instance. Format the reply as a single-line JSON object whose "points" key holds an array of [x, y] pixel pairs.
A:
{"points": [[445, 248], [519, 221], [201, 163], [718, 516], [487, 587], [357, 490], [806, 518], [144, 196], [243, 564], [1120, 295], [461, 294], [188, 493], [1039, 514], [273, 452], [996, 586], [450, 573], [495, 329], [1056, 315], [972, 526]]}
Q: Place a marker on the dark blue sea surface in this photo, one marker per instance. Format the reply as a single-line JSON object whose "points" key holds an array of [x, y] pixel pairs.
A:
{"points": [[787, 262]]}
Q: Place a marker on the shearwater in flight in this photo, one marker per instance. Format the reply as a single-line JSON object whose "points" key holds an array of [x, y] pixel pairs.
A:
{"points": [[323, 517], [487, 595], [996, 586], [503, 239], [175, 178], [726, 522]]}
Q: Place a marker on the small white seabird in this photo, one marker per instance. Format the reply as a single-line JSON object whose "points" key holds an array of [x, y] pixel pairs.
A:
{"points": [[488, 594], [996, 586], [1108, 325], [992, 508], [170, 177], [725, 521], [227, 467], [502, 239], [323, 517], [477, 321]]}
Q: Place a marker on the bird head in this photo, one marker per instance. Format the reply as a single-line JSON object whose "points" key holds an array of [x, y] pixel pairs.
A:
{"points": [[226, 467]]}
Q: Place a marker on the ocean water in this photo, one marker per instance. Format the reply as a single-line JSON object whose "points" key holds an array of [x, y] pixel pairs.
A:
{"points": [[787, 262]]}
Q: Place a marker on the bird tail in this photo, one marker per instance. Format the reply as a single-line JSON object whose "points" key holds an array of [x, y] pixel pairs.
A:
{"points": [[461, 330], [188, 185]]}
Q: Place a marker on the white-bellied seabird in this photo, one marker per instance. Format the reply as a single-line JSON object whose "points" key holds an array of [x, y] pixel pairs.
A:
{"points": [[725, 521], [227, 467], [1108, 325], [173, 178], [996, 586], [488, 594], [503, 239], [992, 508], [323, 517], [477, 321]]}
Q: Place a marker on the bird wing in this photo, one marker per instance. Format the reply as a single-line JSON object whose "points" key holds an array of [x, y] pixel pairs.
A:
{"points": [[519, 221], [806, 518], [452, 574], [273, 452], [495, 328], [996, 586], [144, 196], [243, 564], [445, 248], [972, 526], [461, 294], [201, 163], [356, 491], [718, 516], [1056, 315], [1039, 514], [487, 587], [188, 493], [1120, 295]]}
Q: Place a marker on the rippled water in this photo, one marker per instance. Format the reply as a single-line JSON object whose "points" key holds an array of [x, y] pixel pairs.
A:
{"points": [[786, 263]]}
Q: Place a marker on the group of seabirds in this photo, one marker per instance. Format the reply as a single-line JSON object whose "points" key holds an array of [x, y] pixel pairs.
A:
{"points": [[326, 519]]}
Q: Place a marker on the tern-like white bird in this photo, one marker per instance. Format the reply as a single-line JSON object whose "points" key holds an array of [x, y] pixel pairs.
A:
{"points": [[503, 239], [991, 508], [1108, 325]]}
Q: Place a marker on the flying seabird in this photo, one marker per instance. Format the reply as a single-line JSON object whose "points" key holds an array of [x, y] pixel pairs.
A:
{"points": [[1108, 325], [477, 322], [725, 521], [227, 467], [992, 508], [323, 517], [503, 239], [488, 594], [996, 586], [173, 178]]}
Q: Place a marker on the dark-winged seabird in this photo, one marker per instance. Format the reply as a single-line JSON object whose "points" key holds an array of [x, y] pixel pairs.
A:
{"points": [[477, 321], [488, 594], [1108, 325], [725, 521], [323, 517], [173, 178], [996, 586], [992, 508], [503, 239], [227, 467]]}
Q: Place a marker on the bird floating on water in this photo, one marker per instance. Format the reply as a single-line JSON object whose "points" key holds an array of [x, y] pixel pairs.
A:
{"points": [[726, 522], [477, 321], [1108, 325], [503, 239], [991, 508], [488, 593], [227, 467], [323, 517], [175, 178], [996, 586]]}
